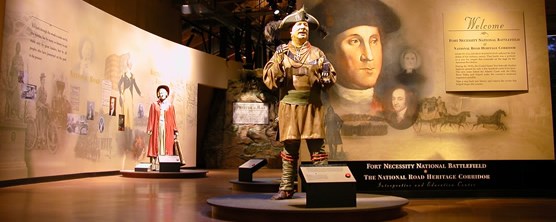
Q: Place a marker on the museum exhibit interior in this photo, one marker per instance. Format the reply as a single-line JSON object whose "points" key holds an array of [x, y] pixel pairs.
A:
{"points": [[277, 110]]}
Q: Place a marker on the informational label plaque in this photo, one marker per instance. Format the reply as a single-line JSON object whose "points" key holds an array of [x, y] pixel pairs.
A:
{"points": [[254, 163], [485, 51], [327, 174], [246, 170], [169, 163], [250, 113], [329, 186], [143, 167]]}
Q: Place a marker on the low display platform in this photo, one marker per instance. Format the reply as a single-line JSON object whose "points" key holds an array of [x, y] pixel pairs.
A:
{"points": [[257, 185], [259, 207], [184, 173]]}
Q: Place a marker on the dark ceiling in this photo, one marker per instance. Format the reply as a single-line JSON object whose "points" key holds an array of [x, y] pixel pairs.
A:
{"points": [[550, 6], [230, 28]]}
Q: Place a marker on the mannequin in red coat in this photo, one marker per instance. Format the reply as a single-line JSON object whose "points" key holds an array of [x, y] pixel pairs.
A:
{"points": [[161, 125]]}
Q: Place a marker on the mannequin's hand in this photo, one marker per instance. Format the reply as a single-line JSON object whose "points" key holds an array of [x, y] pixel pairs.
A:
{"points": [[325, 74]]}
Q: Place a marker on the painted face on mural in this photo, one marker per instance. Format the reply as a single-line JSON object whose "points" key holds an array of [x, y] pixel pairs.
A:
{"points": [[410, 60], [399, 100], [358, 57], [87, 51]]}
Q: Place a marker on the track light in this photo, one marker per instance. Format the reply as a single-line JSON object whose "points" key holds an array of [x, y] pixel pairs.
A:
{"points": [[190, 8], [291, 6], [186, 9], [274, 7]]}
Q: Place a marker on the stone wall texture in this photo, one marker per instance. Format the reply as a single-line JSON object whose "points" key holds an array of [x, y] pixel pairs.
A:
{"points": [[228, 145]]}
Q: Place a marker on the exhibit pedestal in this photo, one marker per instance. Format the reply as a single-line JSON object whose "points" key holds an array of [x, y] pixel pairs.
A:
{"points": [[143, 167], [246, 170], [169, 163], [328, 186], [257, 185], [183, 173], [260, 207]]}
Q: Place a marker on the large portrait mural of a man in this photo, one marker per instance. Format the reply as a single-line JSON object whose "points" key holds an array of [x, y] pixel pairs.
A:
{"points": [[355, 44], [390, 96]]}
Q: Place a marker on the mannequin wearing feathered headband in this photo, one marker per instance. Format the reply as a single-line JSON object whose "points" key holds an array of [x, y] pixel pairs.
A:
{"points": [[301, 71]]}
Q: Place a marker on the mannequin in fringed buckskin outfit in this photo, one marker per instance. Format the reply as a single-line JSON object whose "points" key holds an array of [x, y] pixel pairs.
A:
{"points": [[301, 71]]}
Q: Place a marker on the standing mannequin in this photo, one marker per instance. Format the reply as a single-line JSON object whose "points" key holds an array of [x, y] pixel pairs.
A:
{"points": [[161, 126], [301, 72]]}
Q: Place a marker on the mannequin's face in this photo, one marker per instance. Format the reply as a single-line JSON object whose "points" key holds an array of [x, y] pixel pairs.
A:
{"points": [[162, 94], [300, 31]]}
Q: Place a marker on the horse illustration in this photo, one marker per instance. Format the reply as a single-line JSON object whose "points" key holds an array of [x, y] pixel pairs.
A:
{"points": [[457, 120], [494, 119]]}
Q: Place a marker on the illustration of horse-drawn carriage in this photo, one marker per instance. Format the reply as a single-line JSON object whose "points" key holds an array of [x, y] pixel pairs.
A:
{"points": [[430, 112]]}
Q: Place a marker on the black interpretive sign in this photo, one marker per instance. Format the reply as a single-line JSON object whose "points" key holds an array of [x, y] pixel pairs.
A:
{"points": [[329, 186], [493, 177]]}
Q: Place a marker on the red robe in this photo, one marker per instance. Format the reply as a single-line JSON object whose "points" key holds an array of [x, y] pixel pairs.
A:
{"points": [[152, 126]]}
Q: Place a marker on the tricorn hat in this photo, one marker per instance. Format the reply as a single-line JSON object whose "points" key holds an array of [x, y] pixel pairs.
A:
{"points": [[338, 16], [163, 87], [297, 16]]}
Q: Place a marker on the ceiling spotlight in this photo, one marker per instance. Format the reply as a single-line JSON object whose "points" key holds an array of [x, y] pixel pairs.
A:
{"points": [[186, 9], [196, 8], [291, 6]]}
